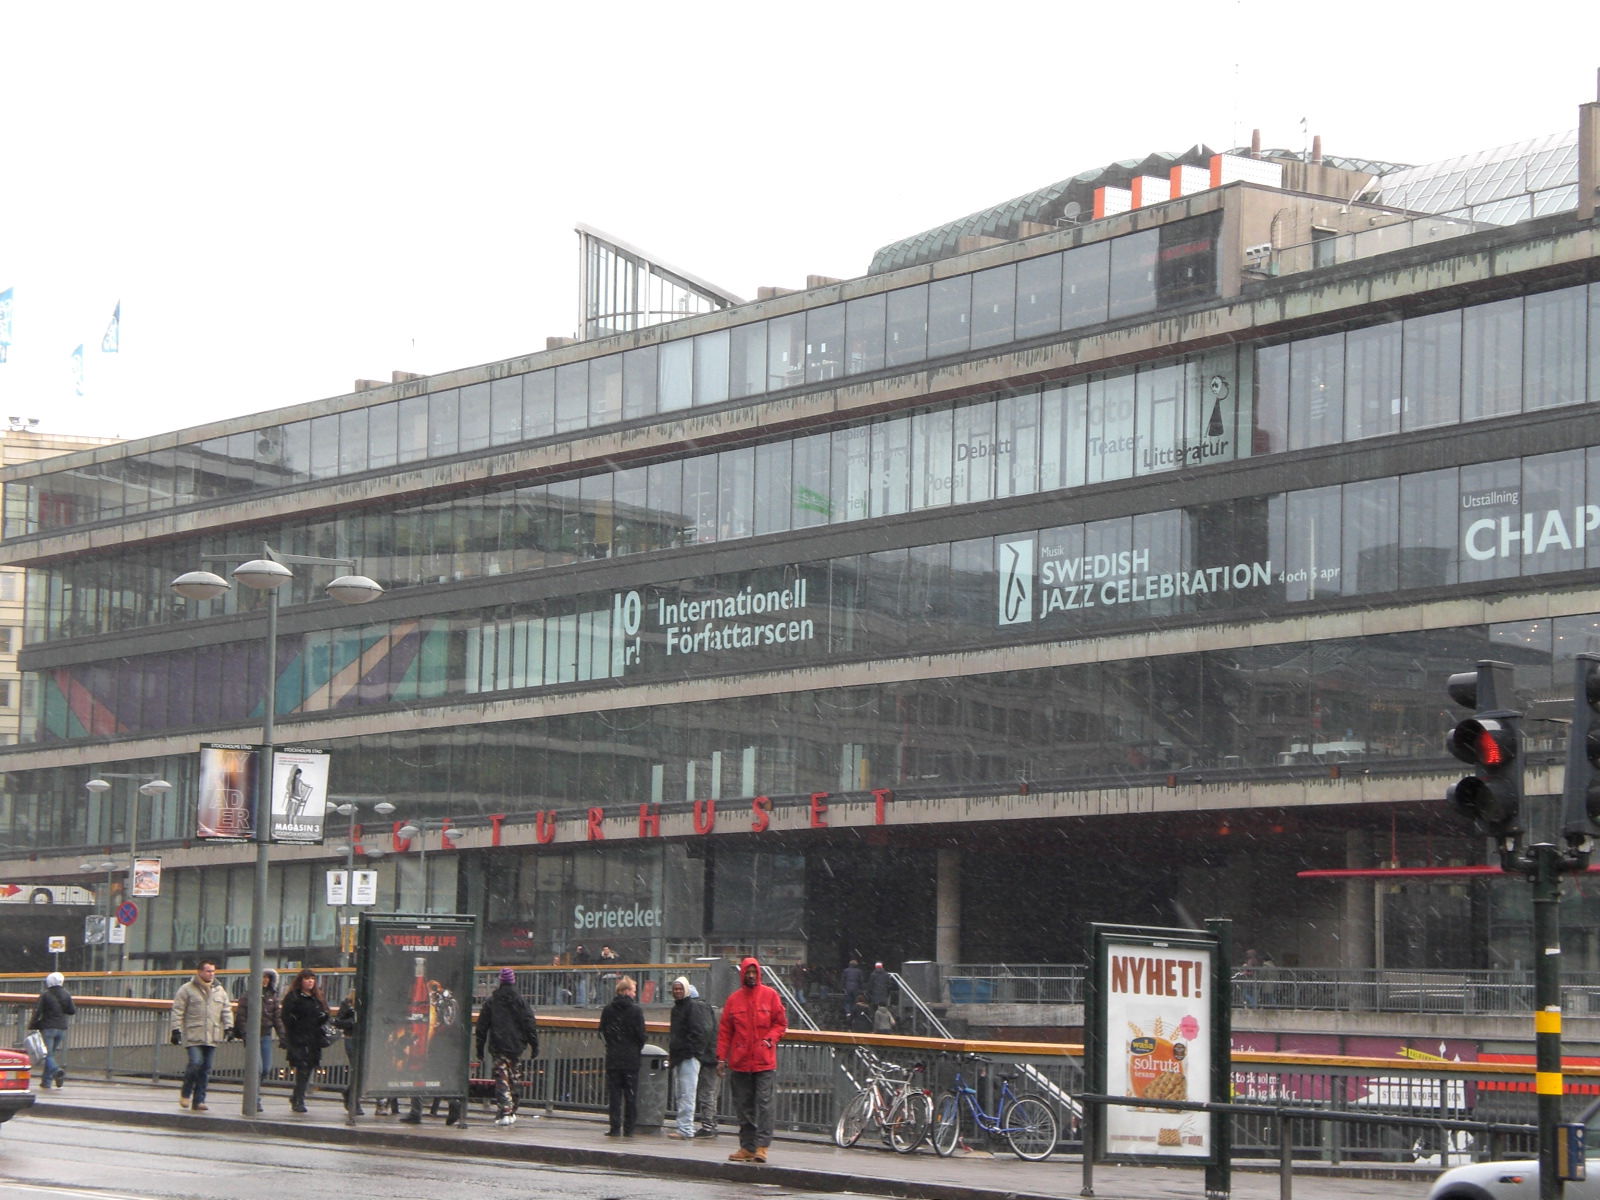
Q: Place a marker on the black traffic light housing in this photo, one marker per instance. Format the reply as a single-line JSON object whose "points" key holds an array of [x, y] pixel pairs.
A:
{"points": [[1491, 742], [1580, 796]]}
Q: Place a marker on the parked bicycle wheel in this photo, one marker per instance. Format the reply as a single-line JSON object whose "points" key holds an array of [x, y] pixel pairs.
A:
{"points": [[1031, 1128], [946, 1134], [909, 1121], [853, 1119]]}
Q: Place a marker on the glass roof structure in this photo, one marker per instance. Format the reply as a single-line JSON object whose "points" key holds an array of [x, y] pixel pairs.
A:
{"points": [[621, 288], [1500, 186]]}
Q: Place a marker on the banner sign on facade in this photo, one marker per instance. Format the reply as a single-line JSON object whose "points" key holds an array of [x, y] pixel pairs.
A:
{"points": [[414, 976], [1152, 1032], [146, 877], [299, 795], [225, 810]]}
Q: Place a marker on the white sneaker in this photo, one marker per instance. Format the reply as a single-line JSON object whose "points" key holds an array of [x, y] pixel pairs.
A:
{"points": [[508, 1119]]}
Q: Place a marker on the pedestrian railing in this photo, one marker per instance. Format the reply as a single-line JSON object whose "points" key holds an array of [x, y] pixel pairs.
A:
{"points": [[1375, 1110]]}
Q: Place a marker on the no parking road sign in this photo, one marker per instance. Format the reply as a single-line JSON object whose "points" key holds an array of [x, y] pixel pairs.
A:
{"points": [[127, 913]]}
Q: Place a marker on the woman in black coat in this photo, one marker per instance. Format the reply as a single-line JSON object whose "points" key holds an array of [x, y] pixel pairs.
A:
{"points": [[301, 1015]]}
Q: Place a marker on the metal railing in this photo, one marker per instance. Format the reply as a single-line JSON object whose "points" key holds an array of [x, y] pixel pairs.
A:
{"points": [[1399, 1111]]}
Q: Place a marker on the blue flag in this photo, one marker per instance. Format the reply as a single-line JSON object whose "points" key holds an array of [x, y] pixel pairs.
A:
{"points": [[113, 337], [5, 323], [77, 368]]}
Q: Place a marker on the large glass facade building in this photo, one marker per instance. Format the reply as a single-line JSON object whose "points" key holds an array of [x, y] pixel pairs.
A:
{"points": [[1093, 572]]}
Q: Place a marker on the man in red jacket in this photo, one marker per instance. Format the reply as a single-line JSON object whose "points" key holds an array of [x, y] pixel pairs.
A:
{"points": [[753, 1020]]}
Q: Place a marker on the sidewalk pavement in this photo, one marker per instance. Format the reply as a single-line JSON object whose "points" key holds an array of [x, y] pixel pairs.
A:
{"points": [[798, 1161]]}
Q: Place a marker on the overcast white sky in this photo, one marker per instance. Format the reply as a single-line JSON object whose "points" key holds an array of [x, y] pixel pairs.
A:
{"points": [[288, 197]]}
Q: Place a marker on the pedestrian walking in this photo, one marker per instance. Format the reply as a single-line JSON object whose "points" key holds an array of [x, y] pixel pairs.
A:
{"points": [[853, 980], [301, 1019], [266, 1024], [506, 1027], [882, 1019], [622, 1027], [859, 1017], [878, 986], [51, 1017], [201, 1013], [709, 1087], [692, 1036], [347, 1020], [753, 1020]]}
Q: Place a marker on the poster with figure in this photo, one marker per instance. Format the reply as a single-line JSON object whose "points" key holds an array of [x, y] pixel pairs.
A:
{"points": [[1155, 1019], [414, 985], [299, 795], [226, 806]]}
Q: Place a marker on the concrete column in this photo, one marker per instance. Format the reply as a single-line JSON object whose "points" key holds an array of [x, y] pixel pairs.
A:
{"points": [[947, 908], [1588, 157], [1358, 935]]}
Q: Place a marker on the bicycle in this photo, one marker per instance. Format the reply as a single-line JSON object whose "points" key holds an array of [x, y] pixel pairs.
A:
{"points": [[891, 1100], [1026, 1122]]}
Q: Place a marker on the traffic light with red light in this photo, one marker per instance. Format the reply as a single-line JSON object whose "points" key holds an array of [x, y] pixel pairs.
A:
{"points": [[1580, 797], [1491, 742]]}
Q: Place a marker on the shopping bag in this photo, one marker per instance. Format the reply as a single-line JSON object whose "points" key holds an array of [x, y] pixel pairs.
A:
{"points": [[34, 1045]]}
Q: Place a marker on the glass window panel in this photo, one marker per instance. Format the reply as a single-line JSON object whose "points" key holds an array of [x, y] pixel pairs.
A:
{"points": [[325, 446], [1552, 512], [354, 440], [736, 502], [774, 487], [932, 458], [1490, 534], [665, 487], [598, 522], [1372, 381], [605, 390], [700, 497], [1160, 398], [974, 444], [1594, 343], [572, 397], [1372, 536], [811, 498], [539, 404], [711, 367], [1016, 445], [891, 466], [475, 416], [852, 477], [444, 423], [505, 410], [1085, 285], [633, 534], [675, 379], [1160, 538], [864, 325], [1060, 461], [907, 315], [1491, 360], [1554, 349], [786, 341], [1038, 296], [824, 343], [1270, 434], [949, 315], [1316, 391], [1431, 370], [639, 369], [296, 464], [1110, 432], [1305, 539], [994, 306], [1133, 274], [748, 360]]}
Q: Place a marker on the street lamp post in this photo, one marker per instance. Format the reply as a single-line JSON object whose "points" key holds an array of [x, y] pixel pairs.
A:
{"points": [[350, 808], [267, 574], [108, 866], [419, 829], [150, 787]]}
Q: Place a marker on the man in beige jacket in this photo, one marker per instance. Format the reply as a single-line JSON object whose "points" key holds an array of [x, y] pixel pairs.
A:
{"points": [[201, 1017]]}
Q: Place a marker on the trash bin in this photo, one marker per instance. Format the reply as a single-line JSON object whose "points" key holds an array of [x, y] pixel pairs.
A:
{"points": [[655, 1088]]}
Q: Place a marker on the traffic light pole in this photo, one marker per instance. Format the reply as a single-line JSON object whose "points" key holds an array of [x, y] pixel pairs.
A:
{"points": [[1547, 864]]}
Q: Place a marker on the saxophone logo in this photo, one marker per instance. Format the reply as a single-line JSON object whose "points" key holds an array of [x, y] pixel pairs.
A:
{"points": [[1016, 582]]}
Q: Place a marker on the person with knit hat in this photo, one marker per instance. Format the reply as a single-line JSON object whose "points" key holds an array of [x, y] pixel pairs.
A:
{"points": [[693, 1035], [506, 1026], [51, 1018], [266, 1027]]}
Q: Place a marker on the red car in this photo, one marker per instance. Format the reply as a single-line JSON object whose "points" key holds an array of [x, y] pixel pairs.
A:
{"points": [[16, 1084]]}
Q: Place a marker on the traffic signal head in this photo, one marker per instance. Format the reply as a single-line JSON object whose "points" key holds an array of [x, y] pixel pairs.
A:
{"points": [[1491, 743]]}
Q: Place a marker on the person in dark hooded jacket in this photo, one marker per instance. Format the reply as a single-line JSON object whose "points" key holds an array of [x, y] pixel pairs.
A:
{"points": [[51, 1018], [506, 1026], [753, 1020], [622, 1027], [266, 1026], [693, 1034]]}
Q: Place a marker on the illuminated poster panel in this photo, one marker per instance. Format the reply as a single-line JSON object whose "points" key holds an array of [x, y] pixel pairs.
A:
{"points": [[414, 987], [225, 810], [299, 795], [1156, 1017]]}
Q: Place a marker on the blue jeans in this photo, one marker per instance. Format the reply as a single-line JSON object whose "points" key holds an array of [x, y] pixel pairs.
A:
{"points": [[266, 1056], [198, 1073], [55, 1041], [685, 1086]]}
